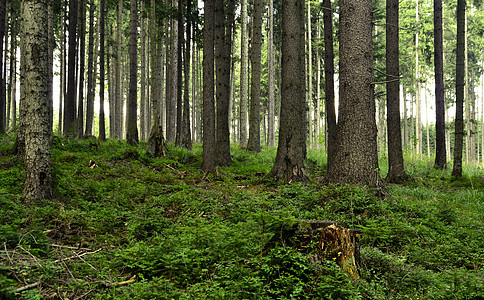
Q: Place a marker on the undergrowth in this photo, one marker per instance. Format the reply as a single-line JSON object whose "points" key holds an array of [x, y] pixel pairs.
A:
{"points": [[124, 225]]}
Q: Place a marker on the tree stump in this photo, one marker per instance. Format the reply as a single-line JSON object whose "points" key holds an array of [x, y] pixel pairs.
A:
{"points": [[341, 245], [156, 142]]}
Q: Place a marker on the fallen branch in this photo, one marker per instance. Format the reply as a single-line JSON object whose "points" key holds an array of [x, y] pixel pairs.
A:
{"points": [[77, 256], [70, 247], [129, 281], [26, 287]]}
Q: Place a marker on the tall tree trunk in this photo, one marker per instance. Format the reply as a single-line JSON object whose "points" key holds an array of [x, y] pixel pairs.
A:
{"points": [[12, 90], [132, 107], [171, 103], [3, 102], [63, 73], [209, 160], [356, 158], [102, 18], [82, 52], [90, 70], [459, 89], [179, 76], [467, 102], [440, 151], [223, 43], [329, 80], [271, 117], [244, 74], [111, 62], [291, 149], [70, 100], [310, 80], [119, 61], [418, 109], [186, 127], [396, 171], [255, 54], [34, 53], [50, 60], [142, 100]]}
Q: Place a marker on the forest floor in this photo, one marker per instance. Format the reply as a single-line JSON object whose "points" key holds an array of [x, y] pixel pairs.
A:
{"points": [[126, 226]]}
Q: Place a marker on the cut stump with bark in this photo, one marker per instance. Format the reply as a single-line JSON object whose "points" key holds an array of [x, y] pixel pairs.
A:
{"points": [[341, 245], [156, 142]]}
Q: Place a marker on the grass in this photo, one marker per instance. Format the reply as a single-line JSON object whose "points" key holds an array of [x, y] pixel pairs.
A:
{"points": [[124, 225]]}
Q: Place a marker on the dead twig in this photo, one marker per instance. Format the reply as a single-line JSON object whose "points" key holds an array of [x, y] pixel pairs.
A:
{"points": [[70, 247], [26, 287], [77, 255]]}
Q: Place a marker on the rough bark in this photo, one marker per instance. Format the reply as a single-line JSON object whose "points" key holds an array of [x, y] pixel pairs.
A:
{"points": [[440, 151], [396, 170], [50, 60], [102, 120], [331, 129], [90, 71], [82, 67], [132, 107], [186, 140], [244, 75], [356, 158], [171, 103], [118, 73], [209, 160], [459, 89], [271, 117], [70, 100], [291, 150], [3, 102], [255, 55], [34, 54], [142, 100]]}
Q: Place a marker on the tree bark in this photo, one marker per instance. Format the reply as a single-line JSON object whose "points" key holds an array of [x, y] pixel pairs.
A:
{"points": [[396, 170], [90, 70], [186, 127], [70, 100], [34, 54], [459, 89], [440, 151], [244, 75], [331, 129], [209, 161], [271, 117], [255, 55], [82, 54], [118, 74], [291, 150], [132, 108], [356, 158], [3, 102], [142, 100], [179, 76], [102, 120]]}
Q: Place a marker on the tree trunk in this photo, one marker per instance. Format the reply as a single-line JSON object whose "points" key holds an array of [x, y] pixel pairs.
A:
{"points": [[118, 74], [171, 103], [90, 70], [356, 158], [82, 51], [209, 160], [132, 107], [223, 42], [440, 151], [396, 171], [12, 89], [271, 117], [255, 54], [3, 102], [63, 73], [102, 18], [111, 62], [34, 53], [459, 89], [329, 80], [142, 100], [179, 76], [186, 127], [291, 150], [70, 101], [244, 75], [310, 80]]}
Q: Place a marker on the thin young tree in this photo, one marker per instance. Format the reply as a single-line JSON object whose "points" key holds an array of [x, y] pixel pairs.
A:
{"points": [[396, 170], [209, 160], [34, 56], [255, 58], [70, 100], [291, 150], [132, 108], [440, 151], [459, 89], [356, 157]]}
